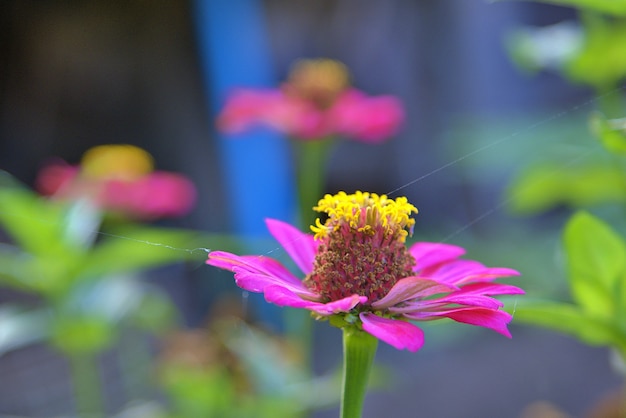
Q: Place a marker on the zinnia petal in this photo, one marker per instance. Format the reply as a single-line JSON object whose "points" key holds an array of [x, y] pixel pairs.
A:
{"points": [[430, 254], [397, 333], [282, 296], [245, 108], [467, 271], [255, 273], [342, 305], [258, 282], [369, 119], [301, 247], [482, 317], [252, 263], [478, 294], [411, 288]]}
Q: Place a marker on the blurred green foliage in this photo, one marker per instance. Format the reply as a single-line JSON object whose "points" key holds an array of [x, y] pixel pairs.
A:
{"points": [[85, 277], [235, 370], [590, 52], [601, 62], [84, 281], [543, 186], [596, 267], [612, 133]]}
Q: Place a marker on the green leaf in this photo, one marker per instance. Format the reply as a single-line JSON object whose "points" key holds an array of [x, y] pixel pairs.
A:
{"points": [[35, 224], [82, 334], [612, 133], [13, 267], [544, 186], [601, 62], [571, 320], [596, 261], [48, 275]]}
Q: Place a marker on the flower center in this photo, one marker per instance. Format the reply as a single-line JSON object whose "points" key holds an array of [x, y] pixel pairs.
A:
{"points": [[317, 80], [362, 245], [121, 162]]}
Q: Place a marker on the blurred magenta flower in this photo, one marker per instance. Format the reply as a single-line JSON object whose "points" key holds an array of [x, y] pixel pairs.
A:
{"points": [[359, 272], [315, 103], [120, 179]]}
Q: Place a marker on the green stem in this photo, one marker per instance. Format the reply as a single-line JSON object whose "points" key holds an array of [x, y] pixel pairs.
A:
{"points": [[134, 357], [359, 349], [86, 382], [311, 164]]}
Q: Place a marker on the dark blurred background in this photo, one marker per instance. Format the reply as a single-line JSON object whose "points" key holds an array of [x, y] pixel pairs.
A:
{"points": [[76, 74]]}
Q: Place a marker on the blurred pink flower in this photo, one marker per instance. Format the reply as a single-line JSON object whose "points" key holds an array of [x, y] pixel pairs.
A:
{"points": [[370, 119], [119, 179], [315, 103], [359, 272]]}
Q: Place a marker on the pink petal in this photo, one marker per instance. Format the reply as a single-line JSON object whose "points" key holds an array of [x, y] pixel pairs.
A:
{"points": [[301, 247], [252, 263], [397, 333], [467, 271], [307, 122], [245, 108], [491, 289], [284, 297], [342, 305], [483, 317], [477, 294], [223, 260], [56, 178], [254, 273], [430, 254], [257, 282], [469, 300], [160, 194], [411, 288], [369, 119]]}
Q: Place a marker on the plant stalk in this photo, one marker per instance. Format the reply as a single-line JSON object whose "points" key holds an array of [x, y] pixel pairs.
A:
{"points": [[86, 381], [359, 350]]}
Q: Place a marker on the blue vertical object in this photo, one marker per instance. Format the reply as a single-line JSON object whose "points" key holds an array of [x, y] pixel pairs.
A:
{"points": [[234, 53], [259, 181]]}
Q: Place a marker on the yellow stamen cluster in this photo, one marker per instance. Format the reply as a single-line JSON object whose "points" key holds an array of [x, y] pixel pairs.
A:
{"points": [[320, 80], [365, 212], [123, 162]]}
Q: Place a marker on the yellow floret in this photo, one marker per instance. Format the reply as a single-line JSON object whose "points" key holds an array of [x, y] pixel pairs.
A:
{"points": [[315, 75], [364, 212], [120, 161]]}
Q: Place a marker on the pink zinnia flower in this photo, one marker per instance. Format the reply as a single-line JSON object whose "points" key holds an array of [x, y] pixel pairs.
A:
{"points": [[316, 102], [120, 179], [359, 272]]}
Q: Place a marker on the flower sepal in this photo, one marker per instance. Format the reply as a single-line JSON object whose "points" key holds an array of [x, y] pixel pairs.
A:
{"points": [[343, 320]]}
